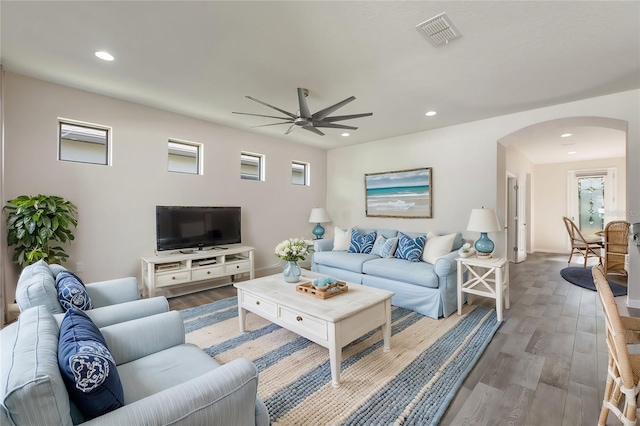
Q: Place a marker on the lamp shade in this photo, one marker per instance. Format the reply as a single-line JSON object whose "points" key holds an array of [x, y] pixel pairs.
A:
{"points": [[319, 215], [483, 220]]}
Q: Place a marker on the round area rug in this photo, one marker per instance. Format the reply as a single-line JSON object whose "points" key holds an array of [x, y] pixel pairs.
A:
{"points": [[582, 277]]}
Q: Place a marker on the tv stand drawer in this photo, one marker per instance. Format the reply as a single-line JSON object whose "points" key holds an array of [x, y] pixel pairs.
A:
{"points": [[173, 278], [205, 273], [237, 267]]}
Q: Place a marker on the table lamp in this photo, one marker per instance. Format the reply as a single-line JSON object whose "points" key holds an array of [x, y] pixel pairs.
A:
{"points": [[483, 221], [318, 216]]}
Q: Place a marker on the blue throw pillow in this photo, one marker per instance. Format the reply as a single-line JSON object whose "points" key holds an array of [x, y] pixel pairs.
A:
{"points": [[88, 369], [71, 292], [410, 248], [361, 243], [384, 247]]}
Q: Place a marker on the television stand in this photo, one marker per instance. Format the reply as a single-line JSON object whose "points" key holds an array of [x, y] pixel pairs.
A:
{"points": [[169, 271]]}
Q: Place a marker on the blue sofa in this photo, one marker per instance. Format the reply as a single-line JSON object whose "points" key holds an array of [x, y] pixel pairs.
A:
{"points": [[429, 289]]}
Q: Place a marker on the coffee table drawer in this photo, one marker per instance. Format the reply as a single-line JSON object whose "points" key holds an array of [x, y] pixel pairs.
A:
{"points": [[304, 322], [258, 305]]}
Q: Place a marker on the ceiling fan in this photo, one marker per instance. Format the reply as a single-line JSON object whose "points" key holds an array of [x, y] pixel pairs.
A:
{"points": [[305, 119]]}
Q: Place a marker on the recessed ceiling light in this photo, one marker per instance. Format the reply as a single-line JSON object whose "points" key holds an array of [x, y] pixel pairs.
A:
{"points": [[565, 135], [430, 113], [571, 152], [105, 56], [345, 134]]}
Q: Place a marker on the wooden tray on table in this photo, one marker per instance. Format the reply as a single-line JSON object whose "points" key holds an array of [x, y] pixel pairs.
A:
{"points": [[307, 288]]}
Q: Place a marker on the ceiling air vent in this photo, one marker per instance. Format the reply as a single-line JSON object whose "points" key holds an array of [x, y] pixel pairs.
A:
{"points": [[439, 30]]}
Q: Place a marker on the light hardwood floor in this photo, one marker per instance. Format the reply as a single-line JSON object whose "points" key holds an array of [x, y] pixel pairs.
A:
{"points": [[545, 366]]}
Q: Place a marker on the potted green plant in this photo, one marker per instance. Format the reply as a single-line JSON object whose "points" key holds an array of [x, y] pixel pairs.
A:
{"points": [[35, 224]]}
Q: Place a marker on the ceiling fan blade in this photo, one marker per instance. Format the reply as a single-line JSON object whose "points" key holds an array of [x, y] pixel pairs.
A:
{"points": [[291, 129], [347, 117], [304, 108], [274, 107], [261, 115], [272, 124], [320, 115], [333, 125], [313, 129]]}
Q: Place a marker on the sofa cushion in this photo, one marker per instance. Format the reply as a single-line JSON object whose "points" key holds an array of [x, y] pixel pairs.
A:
{"points": [[36, 287], [418, 273], [436, 246], [72, 292], [33, 389], [343, 260], [341, 239], [87, 367], [162, 370], [384, 247], [409, 248], [361, 243]]}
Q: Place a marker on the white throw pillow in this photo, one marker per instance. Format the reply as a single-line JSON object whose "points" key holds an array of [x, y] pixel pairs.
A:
{"points": [[341, 239], [437, 246]]}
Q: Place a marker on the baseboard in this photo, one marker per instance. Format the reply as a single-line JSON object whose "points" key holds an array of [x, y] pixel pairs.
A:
{"points": [[633, 303]]}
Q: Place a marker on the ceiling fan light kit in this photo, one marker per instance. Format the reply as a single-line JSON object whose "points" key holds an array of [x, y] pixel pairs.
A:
{"points": [[305, 119]]}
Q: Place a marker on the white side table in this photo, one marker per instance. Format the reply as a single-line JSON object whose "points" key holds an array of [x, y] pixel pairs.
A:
{"points": [[490, 281]]}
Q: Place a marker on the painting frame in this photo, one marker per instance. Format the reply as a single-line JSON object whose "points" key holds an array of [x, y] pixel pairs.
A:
{"points": [[399, 194]]}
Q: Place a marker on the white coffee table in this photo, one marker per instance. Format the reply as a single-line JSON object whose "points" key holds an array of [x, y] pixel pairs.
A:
{"points": [[332, 323]]}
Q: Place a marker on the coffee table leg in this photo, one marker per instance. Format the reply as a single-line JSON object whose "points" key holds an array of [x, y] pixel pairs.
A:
{"points": [[242, 313], [386, 328], [335, 353]]}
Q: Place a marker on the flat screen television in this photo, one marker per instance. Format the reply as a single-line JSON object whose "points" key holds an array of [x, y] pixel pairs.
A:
{"points": [[182, 227]]}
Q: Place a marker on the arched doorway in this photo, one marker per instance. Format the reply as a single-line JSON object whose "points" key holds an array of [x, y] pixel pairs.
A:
{"points": [[540, 160]]}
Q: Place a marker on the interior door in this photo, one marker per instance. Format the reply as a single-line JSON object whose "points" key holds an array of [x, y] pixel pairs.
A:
{"points": [[512, 219]]}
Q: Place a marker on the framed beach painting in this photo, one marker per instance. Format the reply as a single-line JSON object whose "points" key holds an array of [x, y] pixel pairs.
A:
{"points": [[405, 193]]}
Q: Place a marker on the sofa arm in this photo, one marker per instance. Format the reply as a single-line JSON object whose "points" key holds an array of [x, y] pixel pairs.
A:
{"points": [[111, 292], [224, 396], [324, 244], [446, 264], [114, 314], [131, 340]]}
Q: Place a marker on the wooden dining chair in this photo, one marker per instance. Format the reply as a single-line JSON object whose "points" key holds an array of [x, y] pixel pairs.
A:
{"points": [[616, 246], [581, 245], [621, 389]]}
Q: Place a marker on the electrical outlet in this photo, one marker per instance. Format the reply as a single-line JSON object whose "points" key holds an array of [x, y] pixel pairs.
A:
{"points": [[79, 266]]}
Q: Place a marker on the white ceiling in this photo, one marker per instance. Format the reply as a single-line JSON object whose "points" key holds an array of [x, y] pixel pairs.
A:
{"points": [[202, 58]]}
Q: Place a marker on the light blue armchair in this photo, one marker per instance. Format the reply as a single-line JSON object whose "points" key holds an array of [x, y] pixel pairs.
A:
{"points": [[165, 380], [114, 300]]}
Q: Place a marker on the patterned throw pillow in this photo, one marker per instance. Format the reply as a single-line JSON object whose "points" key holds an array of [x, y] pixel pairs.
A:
{"points": [[71, 292], [88, 368], [384, 247], [361, 243], [410, 248]]}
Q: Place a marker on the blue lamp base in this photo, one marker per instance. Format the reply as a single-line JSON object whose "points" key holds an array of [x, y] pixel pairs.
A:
{"points": [[318, 231], [484, 246]]}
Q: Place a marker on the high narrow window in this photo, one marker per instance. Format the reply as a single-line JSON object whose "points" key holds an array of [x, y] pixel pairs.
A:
{"points": [[83, 143], [299, 173], [251, 166], [185, 157]]}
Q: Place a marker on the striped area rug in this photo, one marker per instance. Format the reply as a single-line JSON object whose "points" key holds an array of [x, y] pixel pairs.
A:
{"points": [[411, 385]]}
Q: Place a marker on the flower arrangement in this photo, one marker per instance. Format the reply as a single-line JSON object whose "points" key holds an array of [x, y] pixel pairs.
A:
{"points": [[293, 249], [466, 250]]}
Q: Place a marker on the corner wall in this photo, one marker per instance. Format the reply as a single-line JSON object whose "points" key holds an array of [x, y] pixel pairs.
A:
{"points": [[116, 204]]}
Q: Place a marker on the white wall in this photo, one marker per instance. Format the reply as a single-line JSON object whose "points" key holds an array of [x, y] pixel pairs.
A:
{"points": [[466, 171], [552, 199], [522, 168], [116, 203]]}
